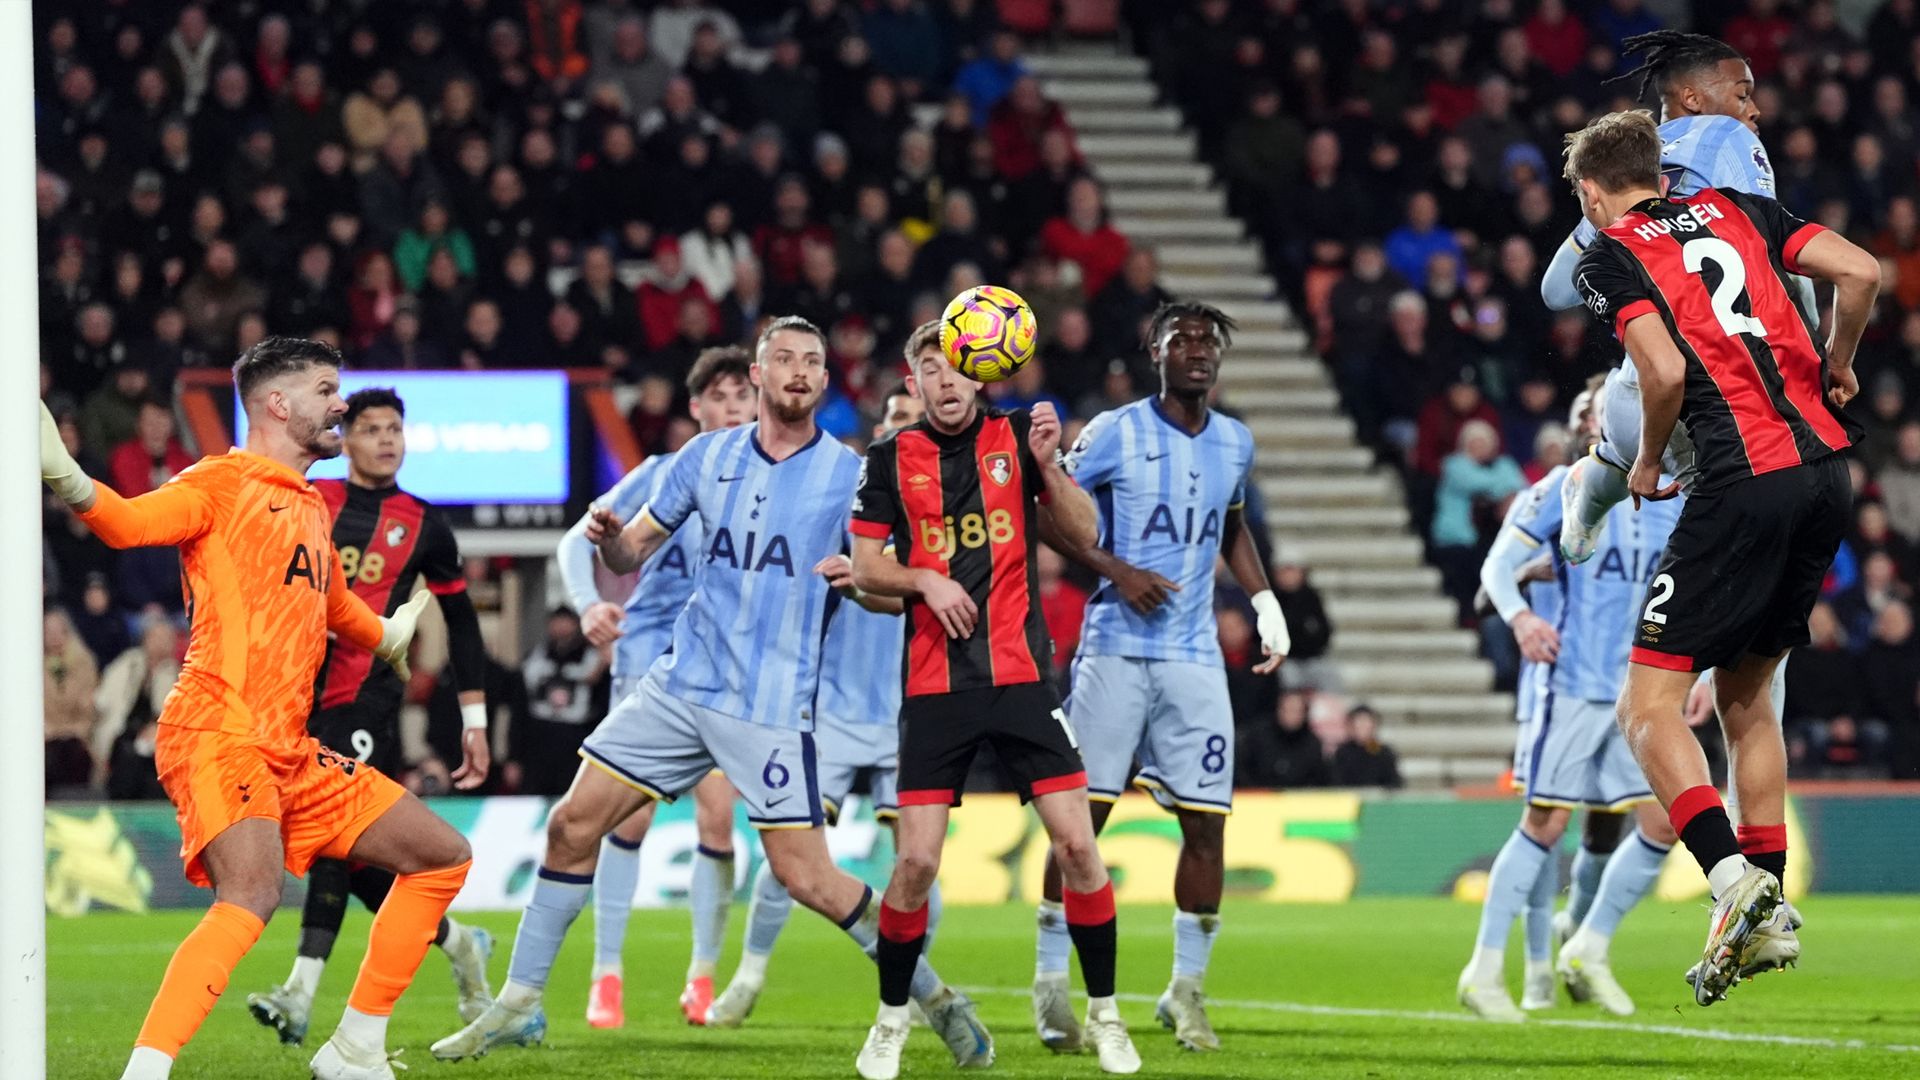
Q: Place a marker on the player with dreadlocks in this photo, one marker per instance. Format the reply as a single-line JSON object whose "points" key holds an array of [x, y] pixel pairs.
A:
{"points": [[1170, 477], [1708, 135]]}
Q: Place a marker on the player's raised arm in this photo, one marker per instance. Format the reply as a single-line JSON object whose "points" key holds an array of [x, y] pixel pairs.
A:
{"points": [[1067, 515], [175, 513]]}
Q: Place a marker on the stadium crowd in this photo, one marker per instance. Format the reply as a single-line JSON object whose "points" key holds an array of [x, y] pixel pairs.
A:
{"points": [[1400, 163], [483, 184], [489, 184]]}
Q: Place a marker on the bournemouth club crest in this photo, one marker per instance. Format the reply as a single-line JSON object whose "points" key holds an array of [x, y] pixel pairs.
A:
{"points": [[999, 467], [396, 533]]}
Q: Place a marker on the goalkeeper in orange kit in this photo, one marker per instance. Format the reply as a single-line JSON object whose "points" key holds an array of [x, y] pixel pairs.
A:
{"points": [[254, 792]]}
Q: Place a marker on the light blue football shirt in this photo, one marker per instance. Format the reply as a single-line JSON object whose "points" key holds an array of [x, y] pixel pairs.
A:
{"points": [[1603, 598], [748, 642], [1536, 515], [1696, 152], [666, 578], [860, 681], [1163, 494]]}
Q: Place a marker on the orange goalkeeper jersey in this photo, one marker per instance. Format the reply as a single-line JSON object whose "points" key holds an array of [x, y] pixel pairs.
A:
{"points": [[263, 587]]}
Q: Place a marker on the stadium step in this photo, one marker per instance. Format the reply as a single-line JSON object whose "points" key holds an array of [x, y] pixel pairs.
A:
{"points": [[1386, 613], [1475, 740], [1125, 118], [1137, 93], [1090, 64], [1279, 431], [1258, 314], [1182, 175], [1385, 517], [1427, 772], [1373, 582], [1209, 258], [1314, 459], [1127, 146], [1171, 204], [1480, 708], [1295, 399], [1157, 230], [1216, 288], [1458, 674], [1378, 644], [1290, 341], [1357, 550], [1299, 489]]}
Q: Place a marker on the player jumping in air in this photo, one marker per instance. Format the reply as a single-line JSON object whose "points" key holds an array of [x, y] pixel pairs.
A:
{"points": [[857, 731], [387, 540], [1698, 290], [1169, 475], [256, 795], [723, 397], [736, 690], [1708, 138], [1575, 754], [963, 496]]}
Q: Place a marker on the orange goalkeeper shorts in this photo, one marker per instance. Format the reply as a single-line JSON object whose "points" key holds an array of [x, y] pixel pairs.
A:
{"points": [[323, 800]]}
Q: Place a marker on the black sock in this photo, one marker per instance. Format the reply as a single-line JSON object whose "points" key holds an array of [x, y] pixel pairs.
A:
{"points": [[326, 906], [440, 932], [1773, 862], [903, 935], [1709, 836], [371, 884], [1096, 944]]}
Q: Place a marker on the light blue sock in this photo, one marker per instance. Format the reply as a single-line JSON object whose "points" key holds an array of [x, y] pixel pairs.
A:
{"points": [[557, 900], [1537, 924], [1587, 868], [710, 896], [1509, 885], [614, 881], [1630, 876], [933, 917], [1193, 943], [863, 926], [767, 912], [1053, 945]]}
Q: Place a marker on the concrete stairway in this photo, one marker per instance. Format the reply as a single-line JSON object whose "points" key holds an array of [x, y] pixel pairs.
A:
{"points": [[1395, 640]]}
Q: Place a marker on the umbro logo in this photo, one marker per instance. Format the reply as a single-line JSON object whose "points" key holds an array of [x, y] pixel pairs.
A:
{"points": [[919, 479]]}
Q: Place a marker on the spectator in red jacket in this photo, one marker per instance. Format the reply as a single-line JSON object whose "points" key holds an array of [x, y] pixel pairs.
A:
{"points": [[667, 286], [151, 457], [780, 242], [1762, 34], [1016, 124], [1556, 37], [1085, 237], [1443, 417]]}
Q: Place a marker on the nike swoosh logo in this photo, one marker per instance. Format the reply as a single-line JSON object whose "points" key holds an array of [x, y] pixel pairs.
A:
{"points": [[1156, 457], [275, 509], [1211, 781], [771, 803], [731, 479]]}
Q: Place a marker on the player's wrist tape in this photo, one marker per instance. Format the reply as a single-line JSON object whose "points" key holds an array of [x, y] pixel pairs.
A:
{"points": [[57, 466], [473, 717], [1268, 618]]}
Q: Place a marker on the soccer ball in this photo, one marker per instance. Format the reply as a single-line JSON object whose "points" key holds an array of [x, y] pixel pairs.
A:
{"points": [[988, 333]]}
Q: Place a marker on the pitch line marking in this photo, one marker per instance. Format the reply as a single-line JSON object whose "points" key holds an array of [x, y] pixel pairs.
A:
{"points": [[1305, 1009]]}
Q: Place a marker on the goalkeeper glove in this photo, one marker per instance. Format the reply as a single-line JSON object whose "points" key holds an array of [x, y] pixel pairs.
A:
{"points": [[57, 467], [396, 633], [1271, 624]]}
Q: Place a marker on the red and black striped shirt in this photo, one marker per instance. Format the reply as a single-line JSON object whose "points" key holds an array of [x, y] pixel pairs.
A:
{"points": [[1715, 266], [386, 538], [963, 505]]}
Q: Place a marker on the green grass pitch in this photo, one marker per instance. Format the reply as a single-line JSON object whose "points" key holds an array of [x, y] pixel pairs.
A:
{"points": [[1363, 989]]}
